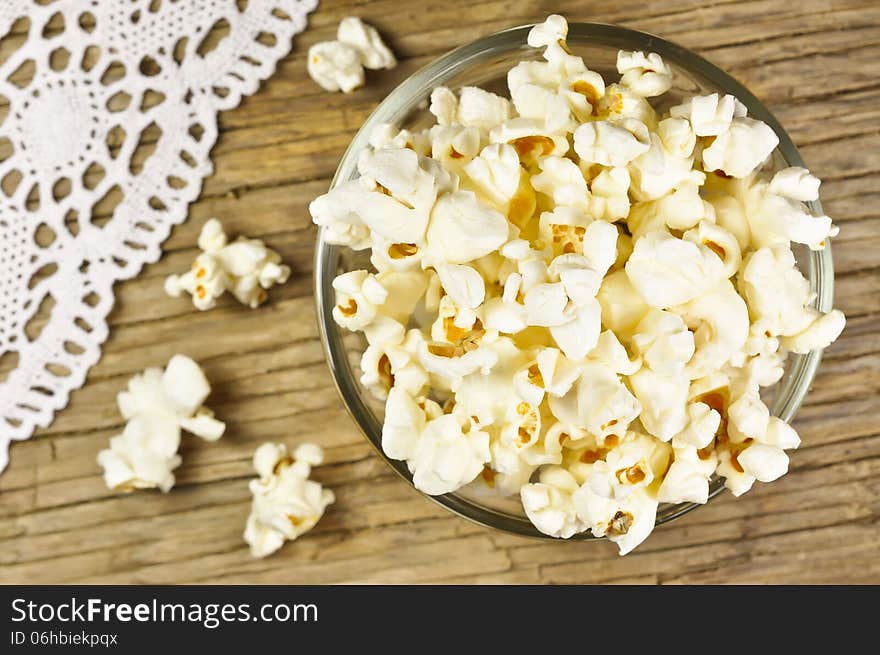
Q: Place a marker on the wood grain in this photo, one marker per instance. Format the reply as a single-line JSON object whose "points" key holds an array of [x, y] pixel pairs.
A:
{"points": [[813, 62]]}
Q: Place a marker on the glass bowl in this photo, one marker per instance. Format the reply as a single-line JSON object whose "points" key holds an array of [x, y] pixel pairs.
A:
{"points": [[485, 63]]}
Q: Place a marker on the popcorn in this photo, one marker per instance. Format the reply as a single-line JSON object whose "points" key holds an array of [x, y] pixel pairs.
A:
{"points": [[662, 400], [603, 405], [404, 423], [549, 506], [499, 180], [667, 271], [245, 268], [612, 353], [463, 229], [681, 209], [562, 181], [741, 148], [778, 297], [464, 285], [402, 359], [719, 241], [531, 139], [775, 219], [337, 213], [339, 65], [579, 335], [400, 192], [491, 396], [450, 452], [577, 298], [730, 215], [622, 305], [616, 500], [620, 102], [664, 342], [821, 333], [443, 105], [702, 426], [606, 517], [764, 463], [372, 51], [748, 418], [795, 183], [564, 229], [479, 108], [683, 483], [454, 146], [709, 115], [545, 305], [578, 277], [335, 66], [553, 30], [551, 372], [467, 354], [156, 406], [781, 434], [647, 75], [720, 322], [628, 467], [387, 136], [609, 144], [358, 296], [609, 190], [735, 477], [286, 503]]}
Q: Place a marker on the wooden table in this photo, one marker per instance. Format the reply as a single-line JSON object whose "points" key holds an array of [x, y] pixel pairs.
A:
{"points": [[814, 62]]}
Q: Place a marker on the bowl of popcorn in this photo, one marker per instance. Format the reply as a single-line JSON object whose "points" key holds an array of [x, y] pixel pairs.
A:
{"points": [[573, 281]]}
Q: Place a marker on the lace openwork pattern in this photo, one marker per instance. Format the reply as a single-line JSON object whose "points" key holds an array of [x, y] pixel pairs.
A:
{"points": [[108, 113]]}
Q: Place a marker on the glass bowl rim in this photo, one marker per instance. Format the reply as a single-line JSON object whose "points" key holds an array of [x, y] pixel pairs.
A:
{"points": [[803, 369]]}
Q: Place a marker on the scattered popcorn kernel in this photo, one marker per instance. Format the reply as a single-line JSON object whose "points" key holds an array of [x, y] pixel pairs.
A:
{"points": [[364, 38], [335, 66], [245, 267], [156, 406], [339, 65], [578, 294], [286, 503]]}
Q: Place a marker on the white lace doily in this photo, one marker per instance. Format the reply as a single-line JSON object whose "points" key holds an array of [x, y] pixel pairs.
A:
{"points": [[81, 104]]}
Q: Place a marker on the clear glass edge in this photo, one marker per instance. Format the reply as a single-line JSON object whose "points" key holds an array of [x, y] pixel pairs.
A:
{"points": [[394, 108]]}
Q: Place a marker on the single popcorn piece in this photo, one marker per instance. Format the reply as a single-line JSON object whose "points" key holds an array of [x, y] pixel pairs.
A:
{"points": [[335, 66], [742, 148], [685, 482], [156, 406], [709, 115], [364, 38], [664, 341], [245, 267], [549, 506], [610, 144], [553, 30], [667, 271], [796, 183], [286, 503], [648, 75], [577, 296], [450, 452], [339, 65]]}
